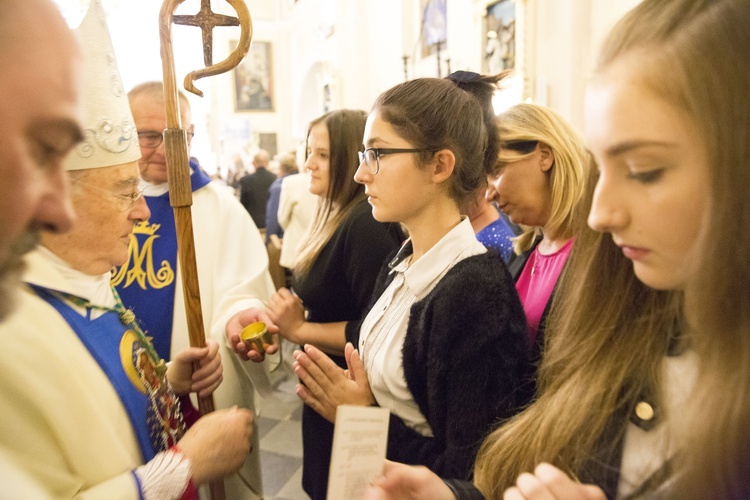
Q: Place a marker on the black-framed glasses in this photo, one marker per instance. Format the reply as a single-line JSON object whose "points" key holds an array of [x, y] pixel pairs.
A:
{"points": [[371, 156], [151, 139]]}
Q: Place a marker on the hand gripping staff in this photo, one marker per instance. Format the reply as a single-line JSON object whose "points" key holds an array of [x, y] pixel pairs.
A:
{"points": [[175, 143]]}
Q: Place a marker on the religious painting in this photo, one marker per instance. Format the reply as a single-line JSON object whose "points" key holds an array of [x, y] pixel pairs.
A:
{"points": [[500, 37], [267, 141], [253, 79], [434, 26]]}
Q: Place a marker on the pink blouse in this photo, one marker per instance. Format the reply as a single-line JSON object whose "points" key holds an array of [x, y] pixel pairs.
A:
{"points": [[536, 282]]}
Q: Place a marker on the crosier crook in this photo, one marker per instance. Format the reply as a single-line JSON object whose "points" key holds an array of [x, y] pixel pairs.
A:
{"points": [[176, 148]]}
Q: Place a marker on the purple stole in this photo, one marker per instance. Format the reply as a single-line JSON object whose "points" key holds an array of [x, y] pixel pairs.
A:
{"points": [[152, 407]]}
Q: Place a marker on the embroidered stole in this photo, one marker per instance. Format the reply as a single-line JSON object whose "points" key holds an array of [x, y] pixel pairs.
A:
{"points": [[146, 282], [152, 407]]}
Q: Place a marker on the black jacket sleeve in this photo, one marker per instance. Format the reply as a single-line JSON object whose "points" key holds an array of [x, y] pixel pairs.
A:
{"points": [[464, 490], [367, 245]]}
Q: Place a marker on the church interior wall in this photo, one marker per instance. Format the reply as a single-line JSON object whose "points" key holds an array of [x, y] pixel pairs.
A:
{"points": [[332, 54]]}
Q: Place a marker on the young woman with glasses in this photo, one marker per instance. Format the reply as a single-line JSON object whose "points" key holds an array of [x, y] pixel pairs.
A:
{"points": [[336, 267], [443, 346]]}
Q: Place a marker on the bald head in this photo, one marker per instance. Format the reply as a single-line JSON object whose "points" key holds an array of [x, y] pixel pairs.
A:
{"points": [[261, 159], [147, 105], [154, 92], [23, 19]]}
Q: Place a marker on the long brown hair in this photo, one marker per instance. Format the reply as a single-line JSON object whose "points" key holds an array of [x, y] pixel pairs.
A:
{"points": [[346, 127], [606, 335], [604, 347], [452, 113], [696, 58]]}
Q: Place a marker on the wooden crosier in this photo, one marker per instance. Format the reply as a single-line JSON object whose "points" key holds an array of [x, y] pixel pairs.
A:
{"points": [[176, 149]]}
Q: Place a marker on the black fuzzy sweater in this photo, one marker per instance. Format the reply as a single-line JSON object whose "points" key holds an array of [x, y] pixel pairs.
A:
{"points": [[465, 360]]}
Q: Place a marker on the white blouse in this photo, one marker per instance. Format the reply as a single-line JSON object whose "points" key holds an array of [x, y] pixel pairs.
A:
{"points": [[644, 451], [383, 330]]}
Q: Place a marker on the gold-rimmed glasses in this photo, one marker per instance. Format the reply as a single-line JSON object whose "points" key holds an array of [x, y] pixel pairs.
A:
{"points": [[126, 201], [151, 139], [371, 156]]}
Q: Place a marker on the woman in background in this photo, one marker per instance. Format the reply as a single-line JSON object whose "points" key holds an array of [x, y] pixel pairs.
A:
{"points": [[296, 211], [339, 259], [539, 181], [489, 226]]}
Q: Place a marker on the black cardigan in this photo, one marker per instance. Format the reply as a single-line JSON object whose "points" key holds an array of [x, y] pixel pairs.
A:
{"points": [[465, 359]]}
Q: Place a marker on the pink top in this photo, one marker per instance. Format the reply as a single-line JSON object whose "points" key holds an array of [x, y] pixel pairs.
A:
{"points": [[536, 282]]}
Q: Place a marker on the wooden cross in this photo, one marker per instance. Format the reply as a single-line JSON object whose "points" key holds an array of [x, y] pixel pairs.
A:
{"points": [[207, 20]]}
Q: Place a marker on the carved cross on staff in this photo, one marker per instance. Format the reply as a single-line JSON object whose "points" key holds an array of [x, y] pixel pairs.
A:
{"points": [[207, 20], [176, 149]]}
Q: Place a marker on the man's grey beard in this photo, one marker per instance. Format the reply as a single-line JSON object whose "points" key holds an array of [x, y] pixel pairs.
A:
{"points": [[11, 271]]}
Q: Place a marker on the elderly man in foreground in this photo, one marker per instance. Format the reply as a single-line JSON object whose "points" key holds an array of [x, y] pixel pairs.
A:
{"points": [[42, 96], [89, 410]]}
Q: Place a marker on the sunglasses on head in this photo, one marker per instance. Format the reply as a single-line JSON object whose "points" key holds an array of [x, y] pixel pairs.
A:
{"points": [[524, 147]]}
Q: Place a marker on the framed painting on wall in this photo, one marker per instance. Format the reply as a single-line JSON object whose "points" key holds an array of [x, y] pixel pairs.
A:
{"points": [[253, 79], [434, 26], [267, 141], [500, 37]]}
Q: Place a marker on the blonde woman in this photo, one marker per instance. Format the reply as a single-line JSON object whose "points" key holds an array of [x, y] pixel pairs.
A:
{"points": [[538, 182]]}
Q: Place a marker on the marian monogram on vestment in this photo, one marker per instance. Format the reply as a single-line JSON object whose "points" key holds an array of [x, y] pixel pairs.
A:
{"points": [[140, 268]]}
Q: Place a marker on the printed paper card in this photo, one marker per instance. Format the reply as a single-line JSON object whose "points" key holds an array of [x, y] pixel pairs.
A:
{"points": [[360, 438]]}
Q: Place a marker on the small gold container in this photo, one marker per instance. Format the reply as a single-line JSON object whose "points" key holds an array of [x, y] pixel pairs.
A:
{"points": [[256, 336]]}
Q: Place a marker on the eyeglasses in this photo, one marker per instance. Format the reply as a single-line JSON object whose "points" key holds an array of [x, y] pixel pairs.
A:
{"points": [[150, 139], [126, 201], [371, 156]]}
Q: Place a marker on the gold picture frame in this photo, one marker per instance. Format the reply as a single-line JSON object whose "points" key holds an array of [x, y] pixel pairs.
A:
{"points": [[253, 79]]}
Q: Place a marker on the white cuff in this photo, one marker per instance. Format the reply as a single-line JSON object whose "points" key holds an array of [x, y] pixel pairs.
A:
{"points": [[165, 477]]}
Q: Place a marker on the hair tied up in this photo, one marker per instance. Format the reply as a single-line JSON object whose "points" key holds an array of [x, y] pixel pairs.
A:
{"points": [[463, 77]]}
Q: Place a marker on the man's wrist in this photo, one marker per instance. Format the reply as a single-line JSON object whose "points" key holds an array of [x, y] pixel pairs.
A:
{"points": [[167, 476]]}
